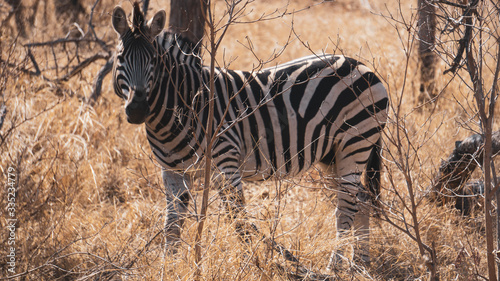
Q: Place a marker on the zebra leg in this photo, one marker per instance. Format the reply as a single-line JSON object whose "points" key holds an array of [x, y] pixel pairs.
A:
{"points": [[231, 193], [228, 178], [176, 190], [353, 208], [353, 214]]}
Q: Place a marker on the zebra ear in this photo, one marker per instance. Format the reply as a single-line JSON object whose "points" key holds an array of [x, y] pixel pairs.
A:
{"points": [[157, 23], [119, 21]]}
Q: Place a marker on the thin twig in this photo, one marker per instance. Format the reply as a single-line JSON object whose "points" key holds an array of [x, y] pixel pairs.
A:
{"points": [[60, 41], [91, 26]]}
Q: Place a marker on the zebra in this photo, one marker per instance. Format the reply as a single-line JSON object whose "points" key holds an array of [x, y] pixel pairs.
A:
{"points": [[321, 110]]}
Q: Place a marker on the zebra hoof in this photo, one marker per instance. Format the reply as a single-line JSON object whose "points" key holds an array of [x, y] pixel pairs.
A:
{"points": [[172, 247], [172, 237], [336, 261]]}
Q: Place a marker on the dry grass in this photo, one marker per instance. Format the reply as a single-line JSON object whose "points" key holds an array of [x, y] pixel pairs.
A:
{"points": [[90, 205]]}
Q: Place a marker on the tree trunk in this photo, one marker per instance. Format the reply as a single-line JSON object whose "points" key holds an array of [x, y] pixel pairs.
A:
{"points": [[426, 36], [187, 18]]}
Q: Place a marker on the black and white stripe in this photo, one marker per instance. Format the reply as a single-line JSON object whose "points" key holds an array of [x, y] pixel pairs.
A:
{"points": [[275, 122]]}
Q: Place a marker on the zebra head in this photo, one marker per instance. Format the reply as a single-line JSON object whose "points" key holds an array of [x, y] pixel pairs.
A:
{"points": [[136, 58]]}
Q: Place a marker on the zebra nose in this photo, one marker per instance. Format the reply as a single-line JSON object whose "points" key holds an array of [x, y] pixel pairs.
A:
{"points": [[137, 107], [137, 112]]}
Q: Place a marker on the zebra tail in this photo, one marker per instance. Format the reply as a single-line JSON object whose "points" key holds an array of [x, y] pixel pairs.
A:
{"points": [[373, 168]]}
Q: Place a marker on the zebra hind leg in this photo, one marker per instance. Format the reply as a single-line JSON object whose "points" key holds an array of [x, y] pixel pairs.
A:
{"points": [[177, 195], [352, 216], [233, 200], [353, 206]]}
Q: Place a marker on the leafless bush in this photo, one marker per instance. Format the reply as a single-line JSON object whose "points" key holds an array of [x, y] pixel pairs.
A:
{"points": [[467, 42], [470, 45]]}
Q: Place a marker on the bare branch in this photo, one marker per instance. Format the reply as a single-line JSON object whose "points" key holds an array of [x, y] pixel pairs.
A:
{"points": [[81, 66], [96, 88], [466, 39], [91, 26], [457, 5]]}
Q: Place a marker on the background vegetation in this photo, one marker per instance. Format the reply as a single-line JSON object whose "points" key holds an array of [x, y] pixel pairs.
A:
{"points": [[89, 201]]}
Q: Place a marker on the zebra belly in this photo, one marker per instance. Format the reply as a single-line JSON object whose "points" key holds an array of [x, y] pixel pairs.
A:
{"points": [[251, 173], [270, 158]]}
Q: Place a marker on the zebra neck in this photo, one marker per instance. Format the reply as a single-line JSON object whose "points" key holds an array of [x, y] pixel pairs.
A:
{"points": [[176, 99], [182, 67]]}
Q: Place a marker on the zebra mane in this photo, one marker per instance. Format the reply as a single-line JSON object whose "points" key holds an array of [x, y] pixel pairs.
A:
{"points": [[138, 22], [176, 40]]}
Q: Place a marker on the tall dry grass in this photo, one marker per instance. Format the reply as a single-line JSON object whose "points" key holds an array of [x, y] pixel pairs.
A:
{"points": [[89, 203]]}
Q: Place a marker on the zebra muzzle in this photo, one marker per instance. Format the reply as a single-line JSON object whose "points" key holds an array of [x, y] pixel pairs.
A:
{"points": [[137, 107]]}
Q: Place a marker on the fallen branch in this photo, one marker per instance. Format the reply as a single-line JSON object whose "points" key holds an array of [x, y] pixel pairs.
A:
{"points": [[61, 41], [74, 62], [96, 88], [455, 171], [82, 65]]}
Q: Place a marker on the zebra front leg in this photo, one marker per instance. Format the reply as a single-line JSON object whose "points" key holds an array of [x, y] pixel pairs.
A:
{"points": [[177, 195]]}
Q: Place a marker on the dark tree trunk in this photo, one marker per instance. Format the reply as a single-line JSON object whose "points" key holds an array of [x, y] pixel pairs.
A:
{"points": [[17, 9], [187, 17], [426, 36]]}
